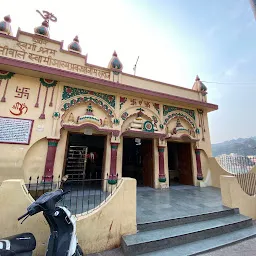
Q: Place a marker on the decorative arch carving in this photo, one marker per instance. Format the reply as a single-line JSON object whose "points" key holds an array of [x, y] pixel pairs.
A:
{"points": [[71, 102], [182, 115], [129, 112], [134, 114]]}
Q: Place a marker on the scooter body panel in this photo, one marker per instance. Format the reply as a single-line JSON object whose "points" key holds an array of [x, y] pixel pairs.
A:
{"points": [[62, 241]]}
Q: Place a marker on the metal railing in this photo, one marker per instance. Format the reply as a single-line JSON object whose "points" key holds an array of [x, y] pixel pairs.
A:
{"points": [[247, 182], [85, 195], [236, 164]]}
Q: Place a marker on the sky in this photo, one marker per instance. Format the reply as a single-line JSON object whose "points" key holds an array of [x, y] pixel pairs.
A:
{"points": [[175, 41]]}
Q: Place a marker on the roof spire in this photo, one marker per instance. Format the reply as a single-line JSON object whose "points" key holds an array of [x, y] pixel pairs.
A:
{"points": [[75, 46], [5, 26]]}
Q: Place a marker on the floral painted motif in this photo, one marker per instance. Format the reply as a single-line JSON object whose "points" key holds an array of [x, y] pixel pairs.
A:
{"points": [[5, 74], [154, 119], [79, 100], [161, 126], [122, 101], [148, 126], [47, 82], [124, 116], [168, 109], [157, 107], [70, 92]]}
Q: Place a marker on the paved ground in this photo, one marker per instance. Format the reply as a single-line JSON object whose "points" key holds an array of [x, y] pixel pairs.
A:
{"points": [[178, 201], [183, 201]]}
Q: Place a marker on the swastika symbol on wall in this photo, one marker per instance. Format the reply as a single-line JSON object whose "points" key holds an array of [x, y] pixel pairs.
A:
{"points": [[22, 92]]}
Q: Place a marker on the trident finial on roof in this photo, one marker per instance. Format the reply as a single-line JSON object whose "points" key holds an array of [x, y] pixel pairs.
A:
{"points": [[47, 16]]}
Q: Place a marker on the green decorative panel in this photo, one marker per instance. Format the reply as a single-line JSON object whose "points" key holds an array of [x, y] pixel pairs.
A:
{"points": [[112, 182], [98, 102], [162, 179], [70, 92], [168, 109], [53, 143]]}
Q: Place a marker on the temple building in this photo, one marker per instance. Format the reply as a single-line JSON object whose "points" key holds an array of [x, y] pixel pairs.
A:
{"points": [[60, 115]]}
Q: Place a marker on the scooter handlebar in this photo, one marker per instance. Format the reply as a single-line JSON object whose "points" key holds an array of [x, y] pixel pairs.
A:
{"points": [[23, 216], [66, 192]]}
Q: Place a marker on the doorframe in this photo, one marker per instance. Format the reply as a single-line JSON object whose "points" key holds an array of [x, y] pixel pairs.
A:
{"points": [[153, 156], [192, 158]]}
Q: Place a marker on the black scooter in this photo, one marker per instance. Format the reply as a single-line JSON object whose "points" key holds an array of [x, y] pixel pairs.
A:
{"points": [[62, 241]]}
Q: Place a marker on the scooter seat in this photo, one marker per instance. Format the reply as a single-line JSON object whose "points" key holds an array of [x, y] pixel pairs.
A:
{"points": [[24, 242]]}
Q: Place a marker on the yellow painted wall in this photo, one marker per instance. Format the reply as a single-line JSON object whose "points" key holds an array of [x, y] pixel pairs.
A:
{"points": [[161, 87], [15, 159], [100, 230], [234, 197]]}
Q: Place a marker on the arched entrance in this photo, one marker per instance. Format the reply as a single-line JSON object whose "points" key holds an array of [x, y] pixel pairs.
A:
{"points": [[181, 139], [88, 126], [139, 132]]}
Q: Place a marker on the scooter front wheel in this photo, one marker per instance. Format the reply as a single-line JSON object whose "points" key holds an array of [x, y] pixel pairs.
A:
{"points": [[79, 251]]}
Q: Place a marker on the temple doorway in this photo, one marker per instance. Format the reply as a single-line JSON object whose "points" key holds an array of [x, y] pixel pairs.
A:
{"points": [[180, 163], [138, 160], [84, 156]]}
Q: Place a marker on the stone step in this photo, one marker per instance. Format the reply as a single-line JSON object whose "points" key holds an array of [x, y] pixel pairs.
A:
{"points": [[206, 245], [153, 240], [185, 220]]}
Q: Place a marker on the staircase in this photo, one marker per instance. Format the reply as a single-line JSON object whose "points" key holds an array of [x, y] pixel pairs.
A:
{"points": [[189, 235]]}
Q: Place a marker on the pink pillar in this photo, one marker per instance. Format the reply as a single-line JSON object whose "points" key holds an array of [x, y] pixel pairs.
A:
{"points": [[161, 177], [112, 179], [50, 158], [198, 165]]}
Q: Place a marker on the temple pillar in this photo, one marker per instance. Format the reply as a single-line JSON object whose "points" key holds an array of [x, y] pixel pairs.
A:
{"points": [[161, 177], [50, 158], [112, 179], [198, 165]]}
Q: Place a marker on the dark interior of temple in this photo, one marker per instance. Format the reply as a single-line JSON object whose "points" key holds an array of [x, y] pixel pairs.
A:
{"points": [[95, 144], [138, 161]]}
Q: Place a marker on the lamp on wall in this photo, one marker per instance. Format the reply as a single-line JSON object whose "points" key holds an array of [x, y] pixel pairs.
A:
{"points": [[138, 141], [88, 131]]}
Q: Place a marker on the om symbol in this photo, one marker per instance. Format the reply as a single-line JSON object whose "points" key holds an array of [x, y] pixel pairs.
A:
{"points": [[19, 108], [47, 16]]}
